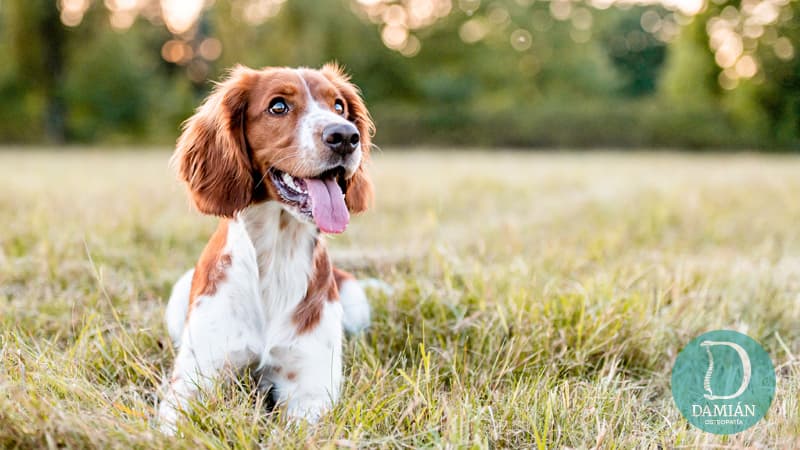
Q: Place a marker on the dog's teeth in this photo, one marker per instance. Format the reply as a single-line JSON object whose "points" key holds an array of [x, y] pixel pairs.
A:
{"points": [[289, 181]]}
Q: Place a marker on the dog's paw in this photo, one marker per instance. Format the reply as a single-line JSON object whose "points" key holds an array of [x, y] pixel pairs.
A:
{"points": [[167, 419], [309, 409]]}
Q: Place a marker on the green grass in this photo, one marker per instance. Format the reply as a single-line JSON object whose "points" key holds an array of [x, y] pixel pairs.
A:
{"points": [[540, 300]]}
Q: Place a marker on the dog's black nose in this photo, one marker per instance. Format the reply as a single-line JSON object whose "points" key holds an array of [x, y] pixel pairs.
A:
{"points": [[341, 138]]}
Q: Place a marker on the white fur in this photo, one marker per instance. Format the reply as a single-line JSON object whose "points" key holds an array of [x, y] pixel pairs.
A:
{"points": [[222, 332], [355, 305], [248, 320], [309, 130], [178, 306]]}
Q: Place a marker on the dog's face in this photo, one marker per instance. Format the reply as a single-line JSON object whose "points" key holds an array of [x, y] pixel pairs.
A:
{"points": [[300, 137]]}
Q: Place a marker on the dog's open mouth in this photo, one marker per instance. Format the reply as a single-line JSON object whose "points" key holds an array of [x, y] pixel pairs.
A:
{"points": [[320, 198]]}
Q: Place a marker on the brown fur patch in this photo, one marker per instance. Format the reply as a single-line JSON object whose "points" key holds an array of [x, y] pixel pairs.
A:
{"points": [[341, 276], [284, 220], [211, 154], [321, 288], [211, 268]]}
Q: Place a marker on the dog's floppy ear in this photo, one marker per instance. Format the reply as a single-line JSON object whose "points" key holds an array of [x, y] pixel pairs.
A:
{"points": [[359, 192], [211, 154]]}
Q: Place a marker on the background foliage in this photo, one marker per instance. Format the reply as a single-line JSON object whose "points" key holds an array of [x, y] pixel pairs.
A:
{"points": [[503, 73]]}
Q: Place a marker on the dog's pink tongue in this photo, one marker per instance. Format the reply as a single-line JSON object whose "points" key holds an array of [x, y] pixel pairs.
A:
{"points": [[327, 205]]}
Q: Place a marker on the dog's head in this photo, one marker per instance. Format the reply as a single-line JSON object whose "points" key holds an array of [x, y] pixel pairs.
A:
{"points": [[300, 137]]}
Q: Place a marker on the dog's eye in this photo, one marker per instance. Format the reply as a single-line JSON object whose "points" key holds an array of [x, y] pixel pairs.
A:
{"points": [[339, 107], [278, 106]]}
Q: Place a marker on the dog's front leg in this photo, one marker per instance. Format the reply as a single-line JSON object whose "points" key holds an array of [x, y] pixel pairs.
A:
{"points": [[307, 373], [212, 345]]}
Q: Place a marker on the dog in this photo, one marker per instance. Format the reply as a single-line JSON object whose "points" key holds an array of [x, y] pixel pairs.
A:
{"points": [[280, 155]]}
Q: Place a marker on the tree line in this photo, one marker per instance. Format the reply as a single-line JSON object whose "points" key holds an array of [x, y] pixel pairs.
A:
{"points": [[510, 73]]}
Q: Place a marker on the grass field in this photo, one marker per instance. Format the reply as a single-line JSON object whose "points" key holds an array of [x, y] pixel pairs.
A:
{"points": [[539, 300]]}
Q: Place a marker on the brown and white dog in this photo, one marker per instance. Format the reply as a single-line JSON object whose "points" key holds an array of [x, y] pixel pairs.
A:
{"points": [[279, 154]]}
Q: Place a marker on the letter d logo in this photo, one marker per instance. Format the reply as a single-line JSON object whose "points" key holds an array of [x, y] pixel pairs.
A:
{"points": [[723, 382], [746, 369]]}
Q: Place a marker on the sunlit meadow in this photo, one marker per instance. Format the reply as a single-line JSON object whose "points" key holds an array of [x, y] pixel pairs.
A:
{"points": [[538, 300]]}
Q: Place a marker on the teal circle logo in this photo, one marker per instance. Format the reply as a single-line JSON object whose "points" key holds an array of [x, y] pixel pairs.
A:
{"points": [[723, 382]]}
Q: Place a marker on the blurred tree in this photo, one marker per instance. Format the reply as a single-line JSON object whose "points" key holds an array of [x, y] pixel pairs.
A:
{"points": [[501, 72], [779, 75], [110, 89], [37, 39], [691, 74], [733, 63], [636, 53]]}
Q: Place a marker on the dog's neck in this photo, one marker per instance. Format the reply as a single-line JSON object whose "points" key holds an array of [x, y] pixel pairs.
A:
{"points": [[284, 249]]}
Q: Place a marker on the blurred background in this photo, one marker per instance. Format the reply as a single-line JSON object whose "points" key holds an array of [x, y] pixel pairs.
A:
{"points": [[690, 74]]}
